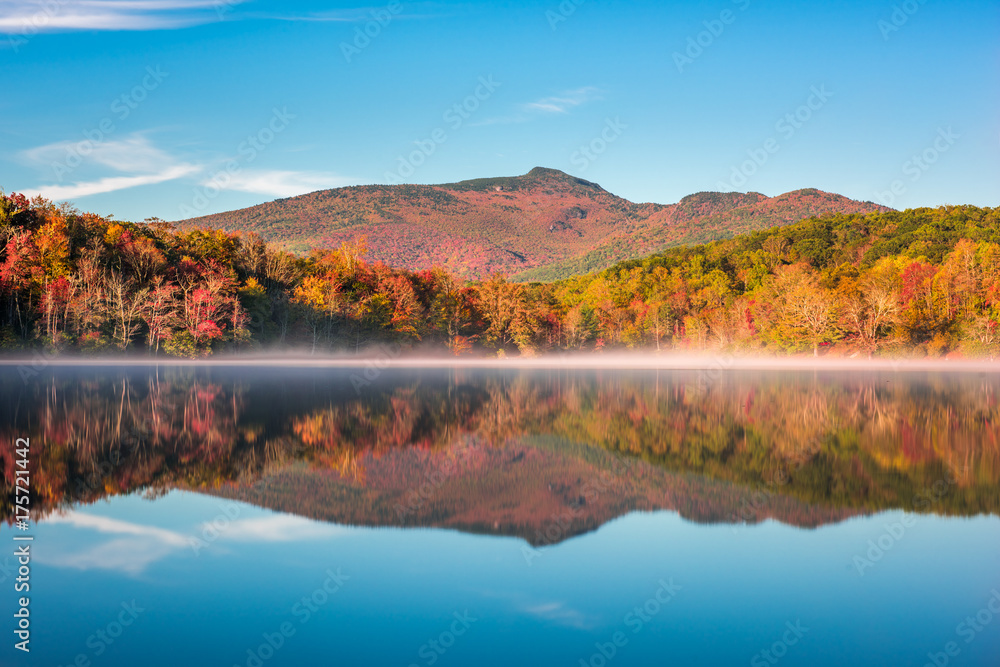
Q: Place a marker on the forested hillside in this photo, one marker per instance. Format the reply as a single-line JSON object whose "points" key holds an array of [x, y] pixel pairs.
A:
{"points": [[916, 282]]}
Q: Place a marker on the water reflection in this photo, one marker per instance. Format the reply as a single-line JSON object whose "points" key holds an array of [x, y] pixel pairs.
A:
{"points": [[541, 454]]}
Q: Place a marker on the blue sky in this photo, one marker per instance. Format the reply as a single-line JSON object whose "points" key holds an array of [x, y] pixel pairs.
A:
{"points": [[171, 108]]}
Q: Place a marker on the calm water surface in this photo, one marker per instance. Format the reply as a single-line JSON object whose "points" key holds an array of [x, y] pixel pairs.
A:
{"points": [[259, 517]]}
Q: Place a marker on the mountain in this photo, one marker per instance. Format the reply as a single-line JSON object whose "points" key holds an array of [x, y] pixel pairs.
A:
{"points": [[543, 225], [543, 490]]}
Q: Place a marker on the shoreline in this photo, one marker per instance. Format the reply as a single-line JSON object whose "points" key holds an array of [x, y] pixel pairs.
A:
{"points": [[631, 362]]}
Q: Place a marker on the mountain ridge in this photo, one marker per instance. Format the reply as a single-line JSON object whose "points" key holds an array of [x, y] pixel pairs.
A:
{"points": [[542, 490], [542, 225]]}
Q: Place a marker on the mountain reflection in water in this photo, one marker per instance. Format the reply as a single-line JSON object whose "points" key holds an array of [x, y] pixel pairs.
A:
{"points": [[544, 455]]}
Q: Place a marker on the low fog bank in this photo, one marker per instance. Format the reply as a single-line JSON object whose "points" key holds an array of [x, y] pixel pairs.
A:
{"points": [[390, 357]]}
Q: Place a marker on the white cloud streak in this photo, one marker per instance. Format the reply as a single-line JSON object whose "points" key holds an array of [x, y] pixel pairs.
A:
{"points": [[141, 163], [134, 546], [280, 528], [104, 524], [133, 153], [284, 183], [558, 613], [546, 106], [564, 102], [111, 183], [27, 17]]}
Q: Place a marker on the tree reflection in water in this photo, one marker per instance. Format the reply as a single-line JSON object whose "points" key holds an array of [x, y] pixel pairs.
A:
{"points": [[804, 447]]}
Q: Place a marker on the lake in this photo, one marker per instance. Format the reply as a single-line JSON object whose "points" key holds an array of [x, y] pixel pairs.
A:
{"points": [[192, 515]]}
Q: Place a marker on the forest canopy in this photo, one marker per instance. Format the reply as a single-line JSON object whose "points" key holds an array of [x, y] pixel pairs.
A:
{"points": [[919, 282]]}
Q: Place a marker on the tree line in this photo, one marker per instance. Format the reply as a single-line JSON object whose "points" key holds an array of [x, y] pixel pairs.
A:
{"points": [[915, 282]]}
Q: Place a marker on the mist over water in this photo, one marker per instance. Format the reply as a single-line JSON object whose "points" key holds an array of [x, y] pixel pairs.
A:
{"points": [[389, 356]]}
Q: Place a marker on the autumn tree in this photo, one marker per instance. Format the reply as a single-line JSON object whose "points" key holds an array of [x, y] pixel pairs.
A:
{"points": [[922, 312], [452, 311], [580, 326], [55, 304], [318, 301], [804, 309], [20, 276], [208, 310], [406, 318], [126, 303], [87, 309], [869, 305], [160, 313], [505, 308]]}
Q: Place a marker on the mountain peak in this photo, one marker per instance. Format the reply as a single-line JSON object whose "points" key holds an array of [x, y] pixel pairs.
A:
{"points": [[547, 173], [539, 177]]}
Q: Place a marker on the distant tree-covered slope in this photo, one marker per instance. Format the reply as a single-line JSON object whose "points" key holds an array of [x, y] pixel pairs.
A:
{"points": [[544, 225], [918, 282]]}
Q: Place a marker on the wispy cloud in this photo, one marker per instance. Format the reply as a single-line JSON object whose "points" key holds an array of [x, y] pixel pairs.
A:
{"points": [[280, 528], [140, 162], [111, 183], [285, 183], [131, 555], [30, 16], [134, 153], [558, 613], [564, 102], [103, 524], [134, 547], [502, 120]]}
